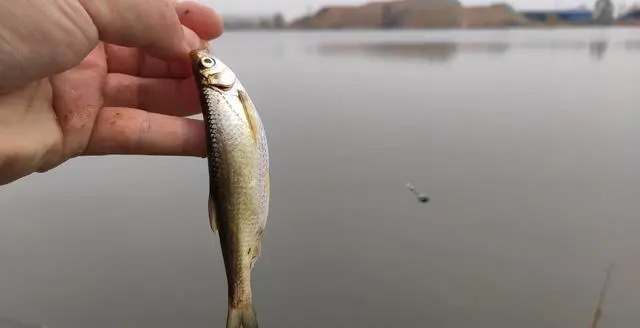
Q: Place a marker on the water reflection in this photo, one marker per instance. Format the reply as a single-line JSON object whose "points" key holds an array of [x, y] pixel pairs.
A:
{"points": [[598, 49], [438, 51], [632, 45], [430, 51], [11, 323]]}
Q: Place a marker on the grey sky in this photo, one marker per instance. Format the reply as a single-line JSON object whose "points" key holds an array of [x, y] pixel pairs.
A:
{"points": [[292, 8]]}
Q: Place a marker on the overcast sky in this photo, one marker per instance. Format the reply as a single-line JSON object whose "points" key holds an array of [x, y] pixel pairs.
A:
{"points": [[293, 8]]}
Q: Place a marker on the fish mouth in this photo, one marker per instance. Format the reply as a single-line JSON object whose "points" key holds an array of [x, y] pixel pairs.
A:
{"points": [[196, 54], [202, 50]]}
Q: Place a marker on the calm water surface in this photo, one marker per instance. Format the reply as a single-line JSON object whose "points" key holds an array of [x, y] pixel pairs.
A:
{"points": [[527, 141]]}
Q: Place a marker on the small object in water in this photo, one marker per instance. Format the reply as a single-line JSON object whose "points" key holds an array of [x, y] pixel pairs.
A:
{"points": [[421, 197], [598, 314], [238, 178]]}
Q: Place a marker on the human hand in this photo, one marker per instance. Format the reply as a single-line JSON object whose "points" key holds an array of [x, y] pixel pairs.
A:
{"points": [[87, 77]]}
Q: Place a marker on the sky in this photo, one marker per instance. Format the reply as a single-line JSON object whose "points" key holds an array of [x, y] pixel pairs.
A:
{"points": [[293, 8]]}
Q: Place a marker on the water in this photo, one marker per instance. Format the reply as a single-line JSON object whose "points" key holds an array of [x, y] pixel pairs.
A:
{"points": [[526, 141]]}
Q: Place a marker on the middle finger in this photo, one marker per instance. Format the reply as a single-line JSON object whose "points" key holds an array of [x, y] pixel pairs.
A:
{"points": [[176, 97], [131, 61]]}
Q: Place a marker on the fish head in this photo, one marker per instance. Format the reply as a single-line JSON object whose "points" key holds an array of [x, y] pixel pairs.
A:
{"points": [[210, 71]]}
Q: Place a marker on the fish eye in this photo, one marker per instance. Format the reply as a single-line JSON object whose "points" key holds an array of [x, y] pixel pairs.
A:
{"points": [[207, 62]]}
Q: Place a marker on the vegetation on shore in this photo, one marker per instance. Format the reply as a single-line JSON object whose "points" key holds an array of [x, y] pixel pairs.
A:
{"points": [[412, 14]]}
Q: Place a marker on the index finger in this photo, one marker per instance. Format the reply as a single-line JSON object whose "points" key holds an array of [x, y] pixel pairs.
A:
{"points": [[199, 18], [150, 25]]}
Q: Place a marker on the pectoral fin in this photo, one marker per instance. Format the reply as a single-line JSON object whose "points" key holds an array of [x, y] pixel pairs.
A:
{"points": [[249, 112], [212, 215]]}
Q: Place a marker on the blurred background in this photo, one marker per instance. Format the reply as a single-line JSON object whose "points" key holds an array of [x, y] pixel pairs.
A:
{"points": [[519, 120]]}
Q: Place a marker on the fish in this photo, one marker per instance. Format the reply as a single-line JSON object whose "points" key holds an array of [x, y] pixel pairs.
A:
{"points": [[239, 177]]}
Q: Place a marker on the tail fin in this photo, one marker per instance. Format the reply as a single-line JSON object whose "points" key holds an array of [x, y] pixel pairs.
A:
{"points": [[244, 317]]}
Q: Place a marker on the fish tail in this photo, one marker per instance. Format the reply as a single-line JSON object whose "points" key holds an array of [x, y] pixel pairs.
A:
{"points": [[242, 317]]}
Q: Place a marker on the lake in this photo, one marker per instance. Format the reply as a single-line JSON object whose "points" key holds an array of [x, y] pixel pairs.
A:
{"points": [[526, 141]]}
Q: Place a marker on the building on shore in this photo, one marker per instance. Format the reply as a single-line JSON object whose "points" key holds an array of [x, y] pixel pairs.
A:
{"points": [[567, 16], [631, 16], [276, 21]]}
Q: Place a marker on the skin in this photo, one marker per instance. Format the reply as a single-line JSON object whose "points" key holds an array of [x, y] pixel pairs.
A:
{"points": [[88, 77]]}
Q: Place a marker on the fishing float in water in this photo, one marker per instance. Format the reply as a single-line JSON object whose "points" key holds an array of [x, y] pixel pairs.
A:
{"points": [[603, 293], [420, 196]]}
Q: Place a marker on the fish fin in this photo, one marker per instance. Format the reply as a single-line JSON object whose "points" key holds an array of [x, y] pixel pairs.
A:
{"points": [[244, 317], [249, 112], [212, 214], [256, 253]]}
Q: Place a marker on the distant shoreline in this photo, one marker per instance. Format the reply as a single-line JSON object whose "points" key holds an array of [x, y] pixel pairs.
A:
{"points": [[453, 28], [438, 15]]}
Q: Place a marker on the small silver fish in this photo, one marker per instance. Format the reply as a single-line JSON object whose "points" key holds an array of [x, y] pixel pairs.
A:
{"points": [[239, 187]]}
